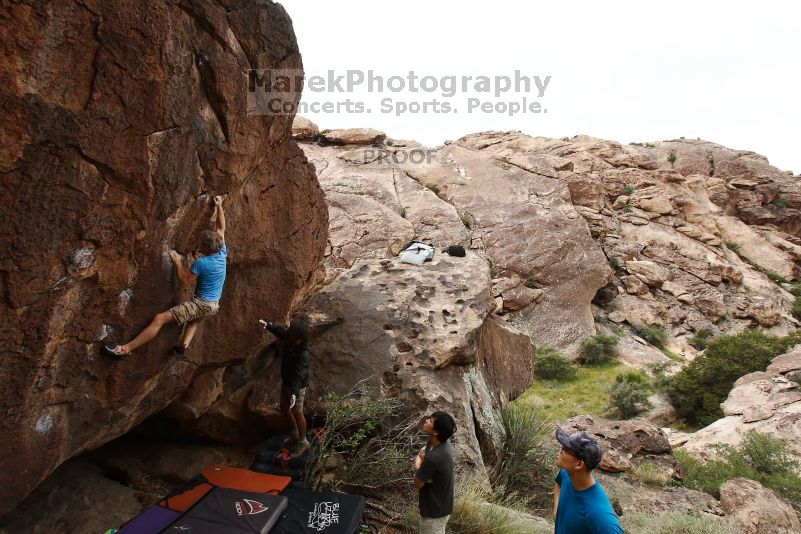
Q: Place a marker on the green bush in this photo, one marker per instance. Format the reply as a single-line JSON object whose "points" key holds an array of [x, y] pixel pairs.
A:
{"points": [[672, 157], [478, 510], [526, 464], [797, 308], [760, 457], [598, 348], [676, 522], [780, 202], [358, 430], [795, 289], [651, 474], [655, 335], [776, 277], [698, 389], [629, 392], [733, 246], [700, 340], [553, 366], [627, 190], [433, 187]]}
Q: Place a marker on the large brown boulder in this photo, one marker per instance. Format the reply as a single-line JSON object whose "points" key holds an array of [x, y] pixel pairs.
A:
{"points": [[626, 443], [760, 510], [77, 498], [120, 120]]}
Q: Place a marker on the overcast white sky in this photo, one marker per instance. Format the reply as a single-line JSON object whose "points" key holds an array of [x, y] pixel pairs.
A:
{"points": [[627, 71]]}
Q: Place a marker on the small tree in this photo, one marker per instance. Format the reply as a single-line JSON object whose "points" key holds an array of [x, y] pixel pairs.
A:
{"points": [[629, 393], [553, 366], [655, 335], [698, 389], [700, 339], [598, 348]]}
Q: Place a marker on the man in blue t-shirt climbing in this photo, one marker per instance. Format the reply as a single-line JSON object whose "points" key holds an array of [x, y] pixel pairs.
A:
{"points": [[580, 505], [208, 273]]}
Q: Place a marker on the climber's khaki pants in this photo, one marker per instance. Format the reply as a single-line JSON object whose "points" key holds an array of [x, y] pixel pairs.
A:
{"points": [[194, 310]]}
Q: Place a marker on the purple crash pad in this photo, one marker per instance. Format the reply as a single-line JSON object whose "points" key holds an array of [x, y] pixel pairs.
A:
{"points": [[151, 521]]}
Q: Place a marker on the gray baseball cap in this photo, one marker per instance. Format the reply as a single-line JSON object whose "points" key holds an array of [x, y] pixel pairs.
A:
{"points": [[582, 446]]}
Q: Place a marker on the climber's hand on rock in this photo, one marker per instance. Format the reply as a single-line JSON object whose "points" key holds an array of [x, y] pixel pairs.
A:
{"points": [[218, 200], [174, 256]]}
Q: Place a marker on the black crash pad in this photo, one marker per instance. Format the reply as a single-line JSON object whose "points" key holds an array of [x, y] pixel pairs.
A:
{"points": [[310, 512], [229, 511]]}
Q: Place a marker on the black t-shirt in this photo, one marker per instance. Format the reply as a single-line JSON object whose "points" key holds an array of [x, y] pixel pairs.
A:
{"points": [[436, 497]]}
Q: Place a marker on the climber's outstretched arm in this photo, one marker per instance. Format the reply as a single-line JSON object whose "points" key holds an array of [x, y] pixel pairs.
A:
{"points": [[219, 216]]}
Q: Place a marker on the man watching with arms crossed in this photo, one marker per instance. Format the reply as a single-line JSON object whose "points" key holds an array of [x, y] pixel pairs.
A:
{"points": [[433, 474]]}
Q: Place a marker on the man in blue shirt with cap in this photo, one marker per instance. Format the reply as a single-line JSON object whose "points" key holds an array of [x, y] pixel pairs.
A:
{"points": [[580, 505]]}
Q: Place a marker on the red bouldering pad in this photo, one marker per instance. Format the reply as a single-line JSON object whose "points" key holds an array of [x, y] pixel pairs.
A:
{"points": [[244, 479], [229, 511], [183, 501]]}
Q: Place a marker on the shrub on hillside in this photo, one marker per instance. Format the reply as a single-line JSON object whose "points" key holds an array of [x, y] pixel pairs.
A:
{"points": [[698, 389], [761, 457], [797, 308], [479, 510], [700, 340], [526, 464], [629, 393], [655, 335], [678, 522], [553, 366], [598, 348], [651, 474]]}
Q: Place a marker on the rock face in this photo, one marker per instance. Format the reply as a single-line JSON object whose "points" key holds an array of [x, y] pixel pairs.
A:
{"points": [[545, 266], [637, 498], [765, 401], [422, 335], [759, 509], [626, 443], [689, 226], [689, 237], [76, 498], [120, 120]]}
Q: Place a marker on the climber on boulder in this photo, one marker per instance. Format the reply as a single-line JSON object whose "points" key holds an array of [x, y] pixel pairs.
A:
{"points": [[208, 271], [294, 349]]}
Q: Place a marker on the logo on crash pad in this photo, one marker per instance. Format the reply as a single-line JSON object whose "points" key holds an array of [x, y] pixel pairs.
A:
{"points": [[249, 507], [324, 515]]}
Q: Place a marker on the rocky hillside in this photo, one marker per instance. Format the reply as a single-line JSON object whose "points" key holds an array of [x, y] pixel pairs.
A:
{"points": [[120, 120], [686, 234]]}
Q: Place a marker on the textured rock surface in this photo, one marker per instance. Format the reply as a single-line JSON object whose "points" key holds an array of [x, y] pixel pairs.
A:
{"points": [[120, 119], [689, 240], [636, 498], [545, 266], [626, 443], [667, 225], [765, 401], [415, 333], [77, 498], [759, 509], [353, 136]]}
